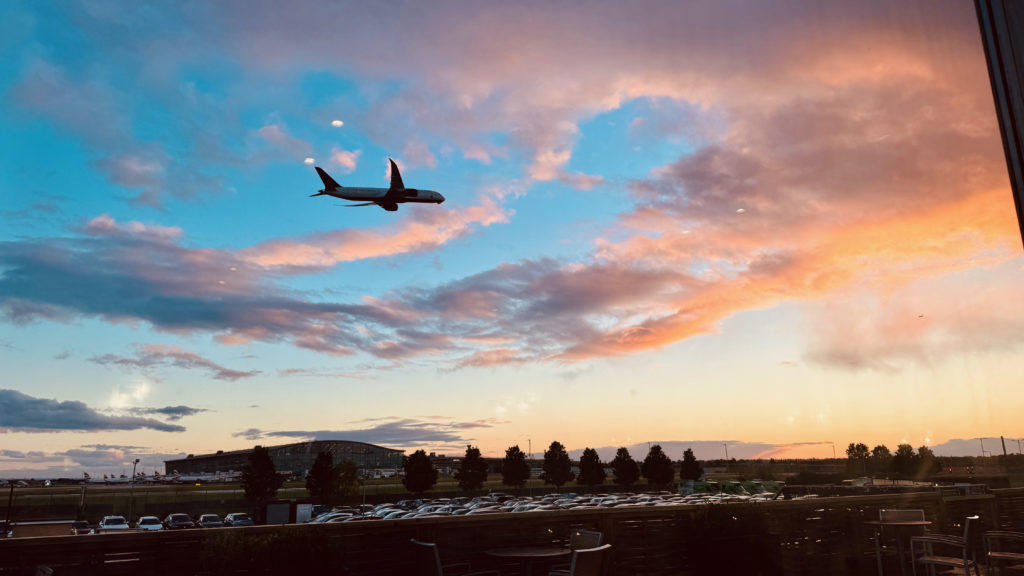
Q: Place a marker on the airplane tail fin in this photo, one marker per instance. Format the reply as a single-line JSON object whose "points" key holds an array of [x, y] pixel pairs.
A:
{"points": [[329, 183]]}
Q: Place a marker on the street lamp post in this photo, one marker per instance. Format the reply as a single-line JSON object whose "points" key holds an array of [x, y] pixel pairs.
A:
{"points": [[131, 500]]}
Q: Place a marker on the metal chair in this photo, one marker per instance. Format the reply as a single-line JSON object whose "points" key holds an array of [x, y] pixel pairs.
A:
{"points": [[428, 562], [586, 562], [578, 540], [962, 544], [887, 544], [1002, 548]]}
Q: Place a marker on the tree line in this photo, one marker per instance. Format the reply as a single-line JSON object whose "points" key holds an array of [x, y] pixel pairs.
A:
{"points": [[328, 482], [903, 463], [656, 467]]}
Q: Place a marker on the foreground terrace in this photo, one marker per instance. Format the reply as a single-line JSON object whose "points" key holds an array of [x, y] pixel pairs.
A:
{"points": [[784, 537]]}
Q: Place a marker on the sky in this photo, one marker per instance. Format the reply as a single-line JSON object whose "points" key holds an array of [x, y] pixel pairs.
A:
{"points": [[769, 228]]}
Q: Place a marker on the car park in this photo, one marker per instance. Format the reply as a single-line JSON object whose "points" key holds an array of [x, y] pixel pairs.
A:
{"points": [[149, 523], [209, 521], [238, 519], [112, 524], [178, 521]]}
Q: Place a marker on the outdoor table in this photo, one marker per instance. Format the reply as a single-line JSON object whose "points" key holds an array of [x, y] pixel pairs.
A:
{"points": [[528, 554], [899, 526]]}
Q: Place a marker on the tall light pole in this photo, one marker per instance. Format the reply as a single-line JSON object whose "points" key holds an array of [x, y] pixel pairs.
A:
{"points": [[131, 501], [726, 446]]}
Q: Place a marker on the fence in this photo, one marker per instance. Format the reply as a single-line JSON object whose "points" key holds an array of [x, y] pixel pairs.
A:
{"points": [[792, 537]]}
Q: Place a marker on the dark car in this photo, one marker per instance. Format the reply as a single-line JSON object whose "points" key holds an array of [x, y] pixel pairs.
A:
{"points": [[238, 519], [80, 527], [209, 521], [178, 522]]}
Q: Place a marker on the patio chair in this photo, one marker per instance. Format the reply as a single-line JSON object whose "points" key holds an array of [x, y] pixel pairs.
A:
{"points": [[964, 557], [428, 562], [586, 562], [1002, 549], [889, 539], [578, 540]]}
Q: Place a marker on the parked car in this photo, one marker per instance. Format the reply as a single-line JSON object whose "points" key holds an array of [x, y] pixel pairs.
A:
{"points": [[178, 522], [80, 527], [112, 523], [209, 521], [238, 519], [149, 523]]}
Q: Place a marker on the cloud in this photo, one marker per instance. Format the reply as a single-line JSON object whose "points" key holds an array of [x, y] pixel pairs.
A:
{"points": [[22, 413], [344, 159], [149, 356], [419, 232], [172, 413], [281, 141], [409, 433], [250, 434], [337, 123]]}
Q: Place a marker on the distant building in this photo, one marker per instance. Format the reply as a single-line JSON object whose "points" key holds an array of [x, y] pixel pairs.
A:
{"points": [[295, 459]]}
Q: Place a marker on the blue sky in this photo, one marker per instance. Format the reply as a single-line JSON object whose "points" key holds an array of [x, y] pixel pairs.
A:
{"points": [[672, 223]]}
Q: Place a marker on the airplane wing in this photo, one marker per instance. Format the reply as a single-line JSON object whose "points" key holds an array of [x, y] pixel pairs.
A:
{"points": [[396, 177], [363, 204]]}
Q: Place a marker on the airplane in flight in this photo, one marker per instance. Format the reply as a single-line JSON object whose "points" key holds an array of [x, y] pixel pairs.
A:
{"points": [[386, 198]]}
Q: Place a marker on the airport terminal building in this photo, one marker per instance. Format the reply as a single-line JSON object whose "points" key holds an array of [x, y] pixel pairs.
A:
{"points": [[294, 458]]}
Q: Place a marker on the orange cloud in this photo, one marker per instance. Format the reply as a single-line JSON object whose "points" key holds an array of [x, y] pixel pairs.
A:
{"points": [[415, 233]]}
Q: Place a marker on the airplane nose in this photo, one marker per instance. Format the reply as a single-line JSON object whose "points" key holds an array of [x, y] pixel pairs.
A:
{"points": [[440, 199]]}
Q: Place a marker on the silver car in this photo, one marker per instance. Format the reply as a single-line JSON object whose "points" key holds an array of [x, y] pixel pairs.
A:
{"points": [[149, 523], [112, 524]]}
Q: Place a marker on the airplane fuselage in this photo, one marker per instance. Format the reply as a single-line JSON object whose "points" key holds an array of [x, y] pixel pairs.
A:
{"points": [[396, 196]]}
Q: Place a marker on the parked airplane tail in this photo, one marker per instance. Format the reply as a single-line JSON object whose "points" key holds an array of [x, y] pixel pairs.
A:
{"points": [[329, 183]]}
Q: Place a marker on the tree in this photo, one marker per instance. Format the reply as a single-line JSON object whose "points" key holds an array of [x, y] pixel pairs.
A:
{"points": [[690, 469], [420, 474], [260, 479], [591, 469], [624, 468], [880, 459], [903, 460], [926, 462], [322, 481], [347, 475], [328, 482], [557, 466], [657, 467], [514, 469], [473, 471], [857, 458]]}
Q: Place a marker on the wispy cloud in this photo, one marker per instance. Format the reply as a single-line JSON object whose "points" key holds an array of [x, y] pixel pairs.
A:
{"points": [[23, 413], [400, 432], [150, 356], [172, 413]]}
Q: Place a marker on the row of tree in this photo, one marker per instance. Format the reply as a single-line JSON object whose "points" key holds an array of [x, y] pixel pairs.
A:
{"points": [[904, 462], [657, 468], [328, 481]]}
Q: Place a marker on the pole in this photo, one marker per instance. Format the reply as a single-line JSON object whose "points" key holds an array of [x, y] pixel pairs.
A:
{"points": [[1003, 440], [1018, 446], [726, 450], [10, 502], [131, 501], [833, 450]]}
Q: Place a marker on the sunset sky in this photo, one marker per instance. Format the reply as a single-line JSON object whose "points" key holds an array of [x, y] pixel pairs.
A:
{"points": [[783, 226]]}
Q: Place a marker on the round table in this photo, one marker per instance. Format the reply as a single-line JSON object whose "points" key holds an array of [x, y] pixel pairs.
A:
{"points": [[527, 554]]}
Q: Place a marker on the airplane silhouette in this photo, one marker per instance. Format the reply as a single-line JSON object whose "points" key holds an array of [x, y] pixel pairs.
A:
{"points": [[386, 198]]}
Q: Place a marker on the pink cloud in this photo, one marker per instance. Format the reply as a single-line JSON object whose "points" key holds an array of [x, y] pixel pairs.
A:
{"points": [[275, 135], [417, 232], [344, 159]]}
